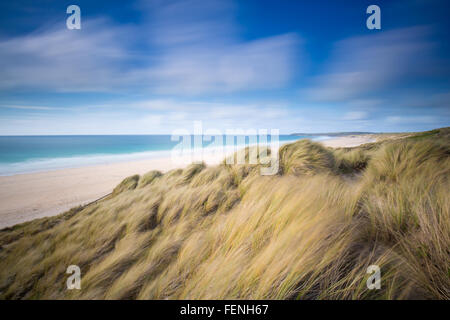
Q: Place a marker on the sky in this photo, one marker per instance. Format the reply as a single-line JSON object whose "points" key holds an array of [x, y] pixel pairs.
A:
{"points": [[152, 67]]}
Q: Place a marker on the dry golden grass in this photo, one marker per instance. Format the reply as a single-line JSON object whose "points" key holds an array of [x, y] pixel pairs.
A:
{"points": [[227, 232]]}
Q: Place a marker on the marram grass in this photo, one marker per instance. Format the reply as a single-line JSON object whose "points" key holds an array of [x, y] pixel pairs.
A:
{"points": [[227, 232]]}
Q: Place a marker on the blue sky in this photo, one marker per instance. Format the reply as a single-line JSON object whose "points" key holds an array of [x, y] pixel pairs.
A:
{"points": [[143, 67]]}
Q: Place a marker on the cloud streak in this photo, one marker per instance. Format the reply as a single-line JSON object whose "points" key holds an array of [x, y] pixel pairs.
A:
{"points": [[187, 54], [201, 52], [365, 65], [150, 116], [58, 59]]}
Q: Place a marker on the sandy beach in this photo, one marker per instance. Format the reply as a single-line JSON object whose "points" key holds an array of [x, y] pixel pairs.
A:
{"points": [[349, 141], [25, 197]]}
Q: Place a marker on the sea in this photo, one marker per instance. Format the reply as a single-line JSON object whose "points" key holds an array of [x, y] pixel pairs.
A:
{"points": [[26, 154]]}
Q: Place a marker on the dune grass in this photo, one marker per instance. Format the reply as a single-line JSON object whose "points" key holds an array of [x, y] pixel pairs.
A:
{"points": [[225, 232]]}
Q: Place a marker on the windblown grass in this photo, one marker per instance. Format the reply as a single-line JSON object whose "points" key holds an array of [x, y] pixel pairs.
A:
{"points": [[223, 232]]}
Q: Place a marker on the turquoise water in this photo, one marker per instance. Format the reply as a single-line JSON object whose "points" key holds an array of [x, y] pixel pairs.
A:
{"points": [[21, 154]]}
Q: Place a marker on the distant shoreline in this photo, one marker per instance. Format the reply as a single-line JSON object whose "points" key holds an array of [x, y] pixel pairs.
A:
{"points": [[333, 134]]}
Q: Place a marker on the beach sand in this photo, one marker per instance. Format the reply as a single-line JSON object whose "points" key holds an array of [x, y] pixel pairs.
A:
{"points": [[25, 197], [349, 141]]}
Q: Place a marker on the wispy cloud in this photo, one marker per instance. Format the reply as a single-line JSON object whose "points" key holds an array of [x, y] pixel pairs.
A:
{"points": [[260, 64], [366, 64], [58, 59], [27, 107], [412, 119], [151, 116], [202, 53], [355, 115], [178, 53]]}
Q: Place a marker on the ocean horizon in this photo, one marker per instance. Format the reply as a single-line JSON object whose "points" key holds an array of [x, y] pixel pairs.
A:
{"points": [[27, 154]]}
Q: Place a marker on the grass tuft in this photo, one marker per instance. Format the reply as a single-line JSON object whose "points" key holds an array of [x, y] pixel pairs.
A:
{"points": [[129, 183]]}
